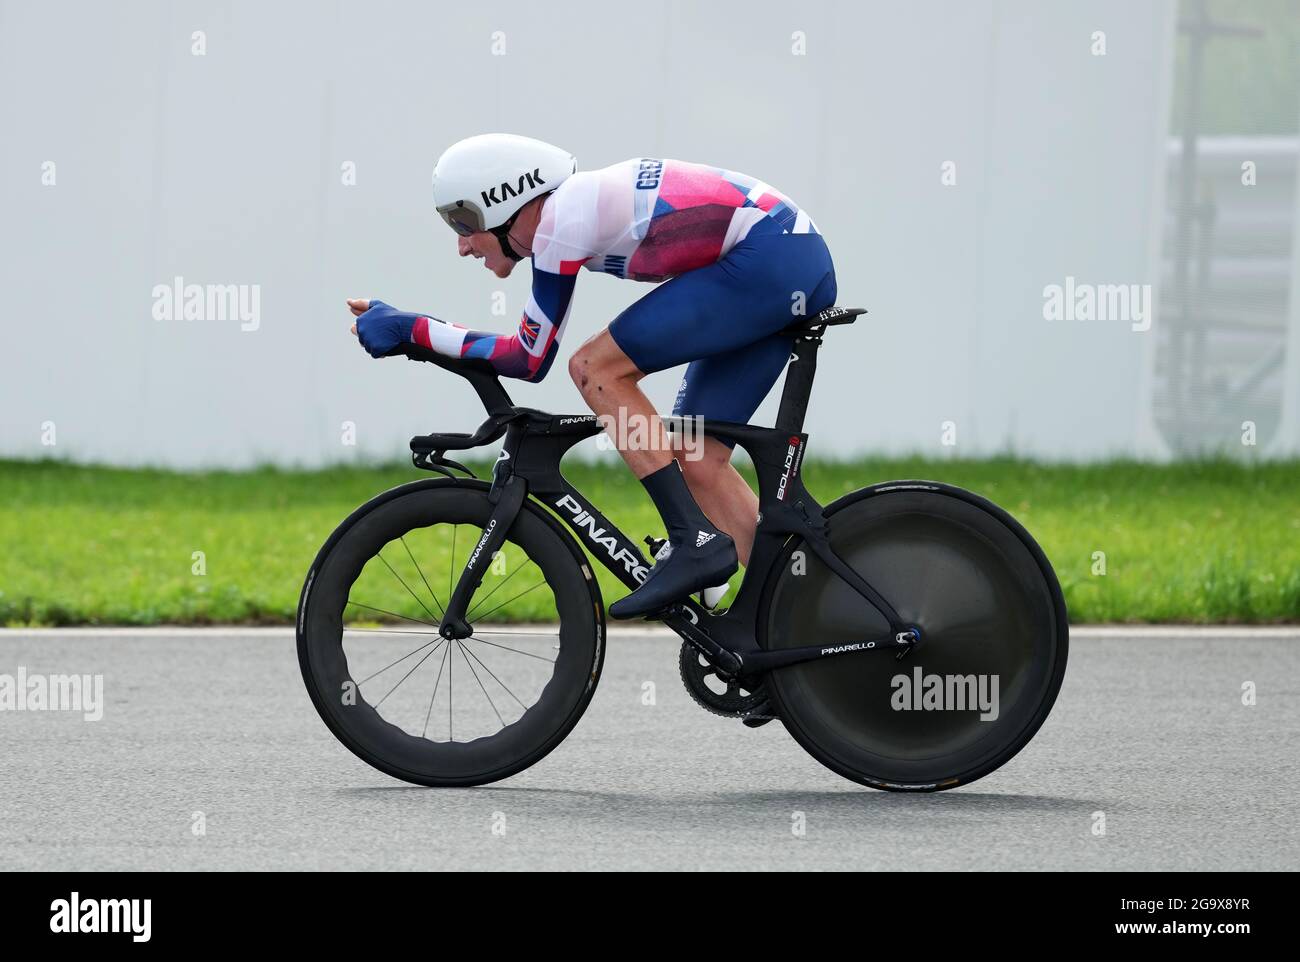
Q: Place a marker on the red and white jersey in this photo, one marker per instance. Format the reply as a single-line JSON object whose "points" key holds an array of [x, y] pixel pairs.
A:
{"points": [[643, 219]]}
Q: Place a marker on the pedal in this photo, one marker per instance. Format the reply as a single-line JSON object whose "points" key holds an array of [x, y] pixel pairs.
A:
{"points": [[760, 716]]}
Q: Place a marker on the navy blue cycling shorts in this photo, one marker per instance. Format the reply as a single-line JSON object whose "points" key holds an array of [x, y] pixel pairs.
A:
{"points": [[725, 320]]}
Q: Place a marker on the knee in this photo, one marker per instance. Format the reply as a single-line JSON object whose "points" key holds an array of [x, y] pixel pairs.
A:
{"points": [[599, 364], [579, 367], [587, 369]]}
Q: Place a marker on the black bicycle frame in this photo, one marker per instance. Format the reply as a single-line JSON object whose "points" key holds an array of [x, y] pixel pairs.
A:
{"points": [[529, 464]]}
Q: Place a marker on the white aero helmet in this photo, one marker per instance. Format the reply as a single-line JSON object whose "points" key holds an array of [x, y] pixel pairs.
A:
{"points": [[482, 182]]}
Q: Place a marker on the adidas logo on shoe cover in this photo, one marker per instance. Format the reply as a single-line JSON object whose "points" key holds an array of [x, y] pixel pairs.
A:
{"points": [[704, 539]]}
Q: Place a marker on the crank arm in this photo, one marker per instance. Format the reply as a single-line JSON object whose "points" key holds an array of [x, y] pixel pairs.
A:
{"points": [[679, 618]]}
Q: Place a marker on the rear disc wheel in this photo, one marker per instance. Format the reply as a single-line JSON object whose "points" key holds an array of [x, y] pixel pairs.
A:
{"points": [[993, 650]]}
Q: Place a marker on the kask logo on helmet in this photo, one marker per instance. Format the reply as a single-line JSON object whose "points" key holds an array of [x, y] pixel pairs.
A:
{"points": [[495, 175], [532, 179]]}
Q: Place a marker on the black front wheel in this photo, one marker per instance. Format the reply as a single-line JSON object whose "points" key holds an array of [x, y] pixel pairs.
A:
{"points": [[993, 627], [435, 711]]}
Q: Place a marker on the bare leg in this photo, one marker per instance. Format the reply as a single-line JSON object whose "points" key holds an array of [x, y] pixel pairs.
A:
{"points": [[608, 381]]}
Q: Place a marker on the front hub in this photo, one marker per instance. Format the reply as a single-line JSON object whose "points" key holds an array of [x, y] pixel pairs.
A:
{"points": [[455, 628]]}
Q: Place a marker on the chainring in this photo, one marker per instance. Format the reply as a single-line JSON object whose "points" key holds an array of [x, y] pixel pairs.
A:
{"points": [[713, 692]]}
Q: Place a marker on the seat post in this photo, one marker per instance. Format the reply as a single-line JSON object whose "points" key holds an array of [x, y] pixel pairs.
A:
{"points": [[797, 389]]}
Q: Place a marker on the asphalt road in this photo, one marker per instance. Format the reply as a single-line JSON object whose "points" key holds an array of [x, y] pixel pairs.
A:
{"points": [[1149, 729]]}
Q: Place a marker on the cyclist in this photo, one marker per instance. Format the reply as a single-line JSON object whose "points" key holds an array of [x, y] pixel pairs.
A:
{"points": [[740, 262]]}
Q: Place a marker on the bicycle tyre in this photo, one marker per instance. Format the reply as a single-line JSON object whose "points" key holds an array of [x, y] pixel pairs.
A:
{"points": [[382, 744]]}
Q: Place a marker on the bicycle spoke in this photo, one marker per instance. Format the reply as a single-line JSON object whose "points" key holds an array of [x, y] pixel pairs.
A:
{"points": [[451, 696], [497, 588], [506, 602], [384, 611], [392, 631], [526, 634], [494, 678], [427, 715], [528, 654], [441, 610], [380, 556], [398, 662], [482, 686], [406, 676]]}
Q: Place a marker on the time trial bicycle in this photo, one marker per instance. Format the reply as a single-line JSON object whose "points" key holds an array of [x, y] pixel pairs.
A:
{"points": [[910, 635]]}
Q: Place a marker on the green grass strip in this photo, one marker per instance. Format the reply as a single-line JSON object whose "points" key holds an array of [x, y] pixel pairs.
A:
{"points": [[1205, 542]]}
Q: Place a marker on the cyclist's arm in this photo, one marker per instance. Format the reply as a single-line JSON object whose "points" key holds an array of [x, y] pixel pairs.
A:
{"points": [[530, 351], [564, 241]]}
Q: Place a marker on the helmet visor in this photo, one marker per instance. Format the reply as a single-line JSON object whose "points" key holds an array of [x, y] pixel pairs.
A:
{"points": [[463, 220]]}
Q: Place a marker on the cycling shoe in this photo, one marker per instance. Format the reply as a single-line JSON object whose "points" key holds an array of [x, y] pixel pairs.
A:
{"points": [[691, 565]]}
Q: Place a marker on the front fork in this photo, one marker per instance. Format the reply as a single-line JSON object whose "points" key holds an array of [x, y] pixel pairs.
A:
{"points": [[509, 497]]}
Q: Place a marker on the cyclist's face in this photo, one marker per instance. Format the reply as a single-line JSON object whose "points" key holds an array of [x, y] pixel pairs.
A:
{"points": [[487, 248]]}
